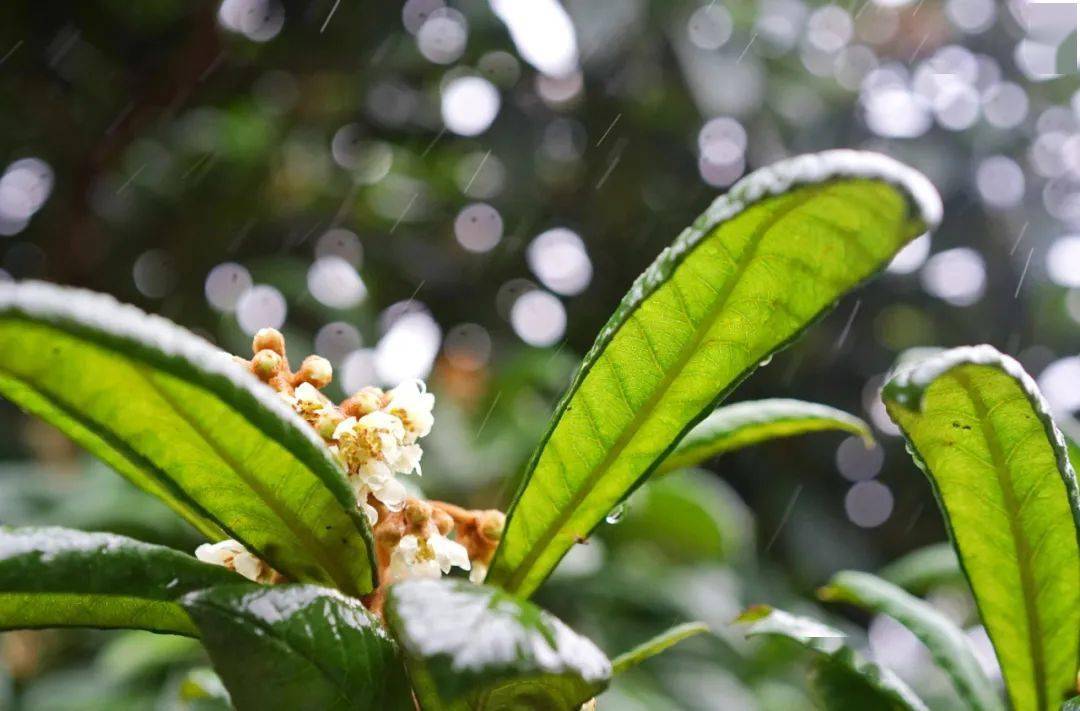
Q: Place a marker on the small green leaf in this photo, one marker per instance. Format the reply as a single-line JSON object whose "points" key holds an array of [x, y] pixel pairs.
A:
{"points": [[843, 679], [182, 421], [56, 577], [762, 264], [978, 427], [299, 647], [925, 568], [1072, 704], [650, 648], [747, 423], [946, 642], [474, 647]]}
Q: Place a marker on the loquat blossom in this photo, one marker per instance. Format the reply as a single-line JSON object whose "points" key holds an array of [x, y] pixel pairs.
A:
{"points": [[412, 404], [371, 450], [315, 408], [232, 555], [430, 557]]}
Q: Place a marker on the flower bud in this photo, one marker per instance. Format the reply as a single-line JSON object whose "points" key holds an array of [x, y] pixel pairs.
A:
{"points": [[328, 420], [492, 525], [364, 402], [417, 512], [315, 370], [266, 363], [444, 522], [269, 339]]}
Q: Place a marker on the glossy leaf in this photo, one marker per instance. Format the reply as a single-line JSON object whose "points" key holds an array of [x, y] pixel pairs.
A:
{"points": [[924, 568], [762, 264], [650, 648], [947, 643], [843, 679], [182, 421], [475, 647], [747, 423], [57, 577], [978, 427], [299, 646]]}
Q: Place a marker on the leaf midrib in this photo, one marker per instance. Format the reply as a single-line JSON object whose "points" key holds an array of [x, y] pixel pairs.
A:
{"points": [[286, 515], [644, 413], [1021, 544]]}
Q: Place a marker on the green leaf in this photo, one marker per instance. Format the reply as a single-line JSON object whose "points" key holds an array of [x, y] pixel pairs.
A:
{"points": [[57, 577], [748, 423], [843, 679], [925, 568], [946, 642], [474, 647], [768, 259], [690, 516], [182, 421], [650, 648], [978, 427], [299, 646], [1072, 704]]}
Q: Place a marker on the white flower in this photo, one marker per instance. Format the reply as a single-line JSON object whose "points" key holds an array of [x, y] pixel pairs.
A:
{"points": [[370, 449], [412, 404], [370, 445], [429, 557], [232, 555]]}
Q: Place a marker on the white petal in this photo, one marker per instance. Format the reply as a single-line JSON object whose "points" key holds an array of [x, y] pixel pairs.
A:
{"points": [[370, 512], [390, 492], [478, 573], [248, 565], [346, 425]]}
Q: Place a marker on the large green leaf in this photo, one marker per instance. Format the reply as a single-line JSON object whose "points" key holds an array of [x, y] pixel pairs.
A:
{"points": [[843, 679], [924, 568], [182, 421], [978, 427], [946, 642], [762, 264], [57, 577], [299, 647], [747, 423], [474, 647]]}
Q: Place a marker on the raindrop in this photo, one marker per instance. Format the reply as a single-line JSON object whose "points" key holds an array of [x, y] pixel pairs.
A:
{"points": [[616, 514]]}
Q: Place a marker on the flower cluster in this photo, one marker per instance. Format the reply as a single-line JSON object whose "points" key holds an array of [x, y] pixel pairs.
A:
{"points": [[375, 435]]}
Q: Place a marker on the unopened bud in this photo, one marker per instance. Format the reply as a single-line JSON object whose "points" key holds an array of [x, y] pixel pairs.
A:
{"points": [[265, 364], [328, 421], [365, 401], [493, 524], [417, 512], [444, 522], [315, 370], [269, 339]]}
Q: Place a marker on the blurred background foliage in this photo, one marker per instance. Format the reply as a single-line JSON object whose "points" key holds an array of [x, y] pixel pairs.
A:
{"points": [[462, 192]]}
